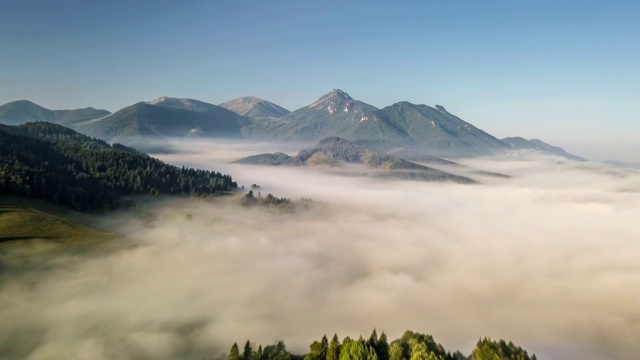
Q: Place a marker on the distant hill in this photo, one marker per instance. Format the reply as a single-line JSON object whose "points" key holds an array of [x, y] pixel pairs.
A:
{"points": [[623, 164], [519, 143], [255, 108], [47, 161], [335, 151], [57, 133], [22, 111], [141, 123], [334, 114]]}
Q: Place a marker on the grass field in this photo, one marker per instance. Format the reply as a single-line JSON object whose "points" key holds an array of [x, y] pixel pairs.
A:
{"points": [[36, 236], [24, 219]]}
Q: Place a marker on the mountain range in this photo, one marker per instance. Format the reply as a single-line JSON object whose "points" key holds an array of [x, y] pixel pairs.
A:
{"points": [[403, 128]]}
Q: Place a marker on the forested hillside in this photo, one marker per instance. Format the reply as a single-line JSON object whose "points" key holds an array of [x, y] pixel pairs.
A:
{"points": [[50, 162], [411, 346]]}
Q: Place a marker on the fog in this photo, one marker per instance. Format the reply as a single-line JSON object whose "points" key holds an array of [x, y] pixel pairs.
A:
{"points": [[547, 259]]}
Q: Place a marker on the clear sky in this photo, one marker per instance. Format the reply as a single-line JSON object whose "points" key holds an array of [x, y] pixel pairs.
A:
{"points": [[567, 72]]}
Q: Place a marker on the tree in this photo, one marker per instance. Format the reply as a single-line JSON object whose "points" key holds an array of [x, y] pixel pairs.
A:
{"points": [[382, 347], [324, 347], [333, 352], [357, 350], [234, 353], [395, 351], [373, 339], [246, 353], [487, 349]]}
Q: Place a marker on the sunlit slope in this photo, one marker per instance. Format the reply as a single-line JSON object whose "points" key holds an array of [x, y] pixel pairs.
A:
{"points": [[23, 219]]}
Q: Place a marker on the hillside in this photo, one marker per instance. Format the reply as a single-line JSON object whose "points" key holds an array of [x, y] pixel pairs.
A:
{"points": [[22, 111], [25, 219], [56, 133], [336, 152], [86, 174], [424, 127], [142, 123], [519, 143], [255, 108]]}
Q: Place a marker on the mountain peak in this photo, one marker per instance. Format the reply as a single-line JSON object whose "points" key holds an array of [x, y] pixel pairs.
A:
{"points": [[334, 96], [441, 109], [339, 93], [182, 104], [252, 99], [23, 102], [255, 108], [163, 99]]}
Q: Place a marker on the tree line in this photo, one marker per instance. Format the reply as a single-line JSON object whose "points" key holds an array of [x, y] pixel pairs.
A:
{"points": [[411, 346]]}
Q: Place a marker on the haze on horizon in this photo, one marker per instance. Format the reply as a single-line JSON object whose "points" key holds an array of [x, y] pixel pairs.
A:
{"points": [[563, 72]]}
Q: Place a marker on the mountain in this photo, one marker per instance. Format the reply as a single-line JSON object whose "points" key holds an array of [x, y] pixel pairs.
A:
{"points": [[336, 152], [519, 143], [255, 108], [50, 162], [22, 111], [432, 129], [166, 118], [334, 114], [423, 129]]}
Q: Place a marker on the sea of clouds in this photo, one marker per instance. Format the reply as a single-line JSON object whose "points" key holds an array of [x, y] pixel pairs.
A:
{"points": [[547, 258]]}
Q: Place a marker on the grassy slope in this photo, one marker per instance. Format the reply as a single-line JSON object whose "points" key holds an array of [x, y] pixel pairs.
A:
{"points": [[24, 219]]}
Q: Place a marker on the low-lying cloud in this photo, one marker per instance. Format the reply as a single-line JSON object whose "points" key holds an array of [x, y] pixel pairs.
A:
{"points": [[548, 259]]}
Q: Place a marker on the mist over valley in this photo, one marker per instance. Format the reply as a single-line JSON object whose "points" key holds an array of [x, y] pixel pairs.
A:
{"points": [[545, 258]]}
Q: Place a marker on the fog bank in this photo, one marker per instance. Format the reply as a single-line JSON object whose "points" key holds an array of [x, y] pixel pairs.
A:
{"points": [[547, 259]]}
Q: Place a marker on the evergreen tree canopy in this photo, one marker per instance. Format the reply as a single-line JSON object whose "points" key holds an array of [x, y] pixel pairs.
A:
{"points": [[234, 353], [53, 163], [487, 349]]}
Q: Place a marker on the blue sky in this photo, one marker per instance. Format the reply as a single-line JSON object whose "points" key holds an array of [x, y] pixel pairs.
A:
{"points": [[567, 72]]}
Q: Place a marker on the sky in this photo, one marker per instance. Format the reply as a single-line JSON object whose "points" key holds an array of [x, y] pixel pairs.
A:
{"points": [[565, 72]]}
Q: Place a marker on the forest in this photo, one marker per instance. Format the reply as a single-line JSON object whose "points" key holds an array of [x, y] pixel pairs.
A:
{"points": [[50, 162], [411, 346]]}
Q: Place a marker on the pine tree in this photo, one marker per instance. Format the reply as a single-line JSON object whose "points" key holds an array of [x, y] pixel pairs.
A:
{"points": [[324, 347], [234, 353], [382, 348], [246, 354], [373, 339]]}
